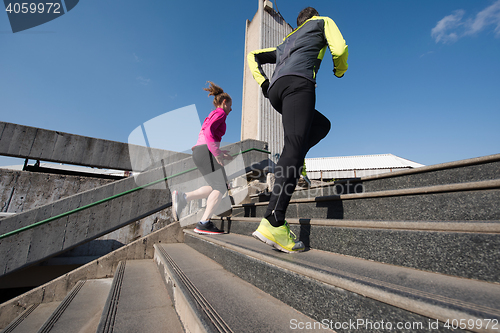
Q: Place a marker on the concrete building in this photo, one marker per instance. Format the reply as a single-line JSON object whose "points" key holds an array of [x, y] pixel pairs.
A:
{"points": [[259, 120], [326, 168]]}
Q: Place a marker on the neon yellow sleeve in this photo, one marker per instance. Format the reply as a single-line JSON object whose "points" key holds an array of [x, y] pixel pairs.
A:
{"points": [[337, 46], [255, 60]]}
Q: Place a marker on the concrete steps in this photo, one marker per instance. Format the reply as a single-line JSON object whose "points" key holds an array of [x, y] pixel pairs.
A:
{"points": [[458, 172], [351, 291], [443, 219], [135, 300], [453, 202], [209, 298], [32, 319], [138, 301], [80, 311], [463, 248]]}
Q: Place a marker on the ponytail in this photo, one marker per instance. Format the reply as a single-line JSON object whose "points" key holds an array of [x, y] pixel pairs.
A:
{"points": [[218, 93]]}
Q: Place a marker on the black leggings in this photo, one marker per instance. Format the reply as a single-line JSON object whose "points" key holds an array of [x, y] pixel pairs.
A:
{"points": [[212, 171], [295, 98]]}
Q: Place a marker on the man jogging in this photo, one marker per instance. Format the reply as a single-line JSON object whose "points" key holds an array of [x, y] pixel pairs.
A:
{"points": [[291, 92]]}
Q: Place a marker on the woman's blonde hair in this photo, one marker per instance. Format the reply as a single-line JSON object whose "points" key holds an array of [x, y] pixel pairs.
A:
{"points": [[218, 93]]}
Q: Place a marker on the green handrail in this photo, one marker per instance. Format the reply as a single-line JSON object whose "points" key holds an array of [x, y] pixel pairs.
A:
{"points": [[76, 210]]}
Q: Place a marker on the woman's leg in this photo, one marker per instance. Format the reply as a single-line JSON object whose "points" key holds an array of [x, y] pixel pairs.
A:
{"points": [[213, 202], [214, 175], [201, 193]]}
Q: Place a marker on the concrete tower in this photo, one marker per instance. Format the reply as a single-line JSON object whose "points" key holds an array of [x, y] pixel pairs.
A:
{"points": [[259, 120]]}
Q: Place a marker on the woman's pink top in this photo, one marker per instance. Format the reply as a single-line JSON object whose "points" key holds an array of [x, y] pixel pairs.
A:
{"points": [[212, 130]]}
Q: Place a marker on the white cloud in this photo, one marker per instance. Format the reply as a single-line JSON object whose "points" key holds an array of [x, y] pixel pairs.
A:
{"points": [[426, 54], [143, 81], [136, 58], [445, 29], [453, 27], [488, 16]]}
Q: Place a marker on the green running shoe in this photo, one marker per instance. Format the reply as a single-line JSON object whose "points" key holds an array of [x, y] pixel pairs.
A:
{"points": [[278, 237]]}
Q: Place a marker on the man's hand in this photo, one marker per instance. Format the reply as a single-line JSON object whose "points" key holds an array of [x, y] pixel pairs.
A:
{"points": [[265, 87], [334, 73]]}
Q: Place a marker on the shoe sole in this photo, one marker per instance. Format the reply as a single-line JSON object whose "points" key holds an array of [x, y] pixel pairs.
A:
{"points": [[174, 205], [266, 240], [207, 232]]}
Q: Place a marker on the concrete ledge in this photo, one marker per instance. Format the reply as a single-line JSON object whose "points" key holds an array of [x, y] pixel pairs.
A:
{"points": [[54, 146], [23, 190], [103, 267], [194, 312], [436, 167], [473, 186], [491, 227], [465, 171], [458, 202]]}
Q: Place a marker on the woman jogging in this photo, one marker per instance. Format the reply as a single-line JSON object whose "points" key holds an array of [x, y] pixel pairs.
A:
{"points": [[209, 159], [291, 92]]}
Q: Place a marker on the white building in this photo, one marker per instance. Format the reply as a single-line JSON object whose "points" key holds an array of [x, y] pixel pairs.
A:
{"points": [[326, 168]]}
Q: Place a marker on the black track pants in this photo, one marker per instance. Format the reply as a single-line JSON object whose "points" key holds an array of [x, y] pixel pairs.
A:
{"points": [[295, 98]]}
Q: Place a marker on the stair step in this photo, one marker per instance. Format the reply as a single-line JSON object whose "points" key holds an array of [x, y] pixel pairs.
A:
{"points": [[471, 170], [138, 301], [32, 319], [208, 298], [462, 248], [464, 171], [351, 288], [455, 202], [81, 309]]}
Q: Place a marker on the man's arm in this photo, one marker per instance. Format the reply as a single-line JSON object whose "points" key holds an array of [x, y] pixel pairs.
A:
{"points": [[255, 60], [337, 46]]}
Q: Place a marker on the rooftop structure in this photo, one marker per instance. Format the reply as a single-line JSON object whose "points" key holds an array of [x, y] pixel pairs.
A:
{"points": [[356, 166]]}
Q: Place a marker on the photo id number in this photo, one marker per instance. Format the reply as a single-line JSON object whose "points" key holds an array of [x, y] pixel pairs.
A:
{"points": [[41, 8]]}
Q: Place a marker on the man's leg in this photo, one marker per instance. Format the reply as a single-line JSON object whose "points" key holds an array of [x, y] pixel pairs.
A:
{"points": [[319, 129], [296, 97]]}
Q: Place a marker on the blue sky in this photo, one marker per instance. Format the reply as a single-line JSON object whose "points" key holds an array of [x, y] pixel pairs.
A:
{"points": [[423, 81]]}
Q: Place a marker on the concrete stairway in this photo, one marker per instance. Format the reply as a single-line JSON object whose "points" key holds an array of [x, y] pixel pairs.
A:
{"points": [[413, 251], [429, 266], [349, 294], [428, 219]]}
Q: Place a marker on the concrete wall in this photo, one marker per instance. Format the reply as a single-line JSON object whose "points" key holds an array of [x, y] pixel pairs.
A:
{"points": [[54, 146], [23, 190]]}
